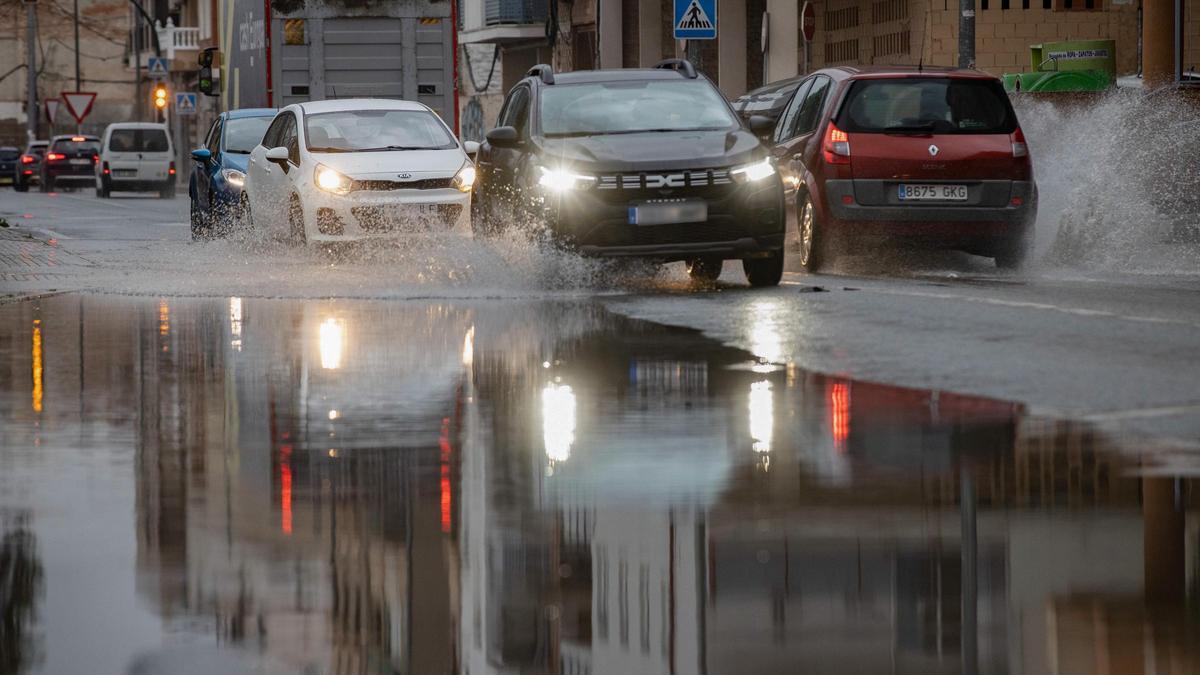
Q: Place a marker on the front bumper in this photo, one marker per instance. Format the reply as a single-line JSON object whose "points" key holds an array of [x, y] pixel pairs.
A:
{"points": [[745, 220], [386, 214]]}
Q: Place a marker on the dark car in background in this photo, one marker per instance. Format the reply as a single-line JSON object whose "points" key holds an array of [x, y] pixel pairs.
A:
{"points": [[70, 160], [921, 156], [9, 161], [767, 101], [29, 166], [636, 163], [216, 183]]}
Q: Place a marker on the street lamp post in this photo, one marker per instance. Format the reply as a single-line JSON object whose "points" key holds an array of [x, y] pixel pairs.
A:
{"points": [[31, 111]]}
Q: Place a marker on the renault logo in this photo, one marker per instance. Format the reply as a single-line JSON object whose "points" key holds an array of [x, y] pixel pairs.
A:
{"points": [[933, 151]]}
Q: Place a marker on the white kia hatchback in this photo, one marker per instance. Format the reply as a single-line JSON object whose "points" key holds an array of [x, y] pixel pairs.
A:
{"points": [[348, 169]]}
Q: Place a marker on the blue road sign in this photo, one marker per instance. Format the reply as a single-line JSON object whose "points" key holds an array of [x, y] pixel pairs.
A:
{"points": [[157, 66], [695, 19], [185, 103]]}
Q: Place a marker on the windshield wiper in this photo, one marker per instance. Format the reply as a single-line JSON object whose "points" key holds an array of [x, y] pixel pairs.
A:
{"points": [[927, 128], [575, 134], [325, 149], [390, 148]]}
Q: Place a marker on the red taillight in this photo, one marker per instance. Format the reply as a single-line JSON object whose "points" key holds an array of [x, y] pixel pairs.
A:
{"points": [[837, 146], [171, 171], [1019, 148], [55, 156], [95, 159], [105, 169], [28, 172], [27, 159]]}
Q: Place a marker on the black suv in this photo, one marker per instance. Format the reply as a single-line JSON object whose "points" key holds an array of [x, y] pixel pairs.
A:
{"points": [[70, 160], [650, 164]]}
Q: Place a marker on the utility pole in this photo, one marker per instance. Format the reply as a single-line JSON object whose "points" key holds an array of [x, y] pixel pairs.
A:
{"points": [[31, 111], [77, 78], [966, 34], [137, 68]]}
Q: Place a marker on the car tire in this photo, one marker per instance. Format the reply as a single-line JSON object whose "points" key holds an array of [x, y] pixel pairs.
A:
{"points": [[296, 221], [812, 242], [200, 228], [102, 189], [1013, 256], [705, 270], [761, 272]]}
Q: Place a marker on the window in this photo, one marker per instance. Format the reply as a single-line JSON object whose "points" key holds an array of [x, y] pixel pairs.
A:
{"points": [[927, 105], [289, 140], [633, 106], [788, 119], [138, 140], [810, 111], [376, 130], [273, 137], [516, 111], [214, 137], [242, 134]]}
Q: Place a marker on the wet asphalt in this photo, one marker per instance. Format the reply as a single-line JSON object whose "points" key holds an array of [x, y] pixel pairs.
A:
{"points": [[232, 457]]}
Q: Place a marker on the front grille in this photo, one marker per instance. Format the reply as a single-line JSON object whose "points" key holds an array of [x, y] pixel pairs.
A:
{"points": [[385, 219], [423, 184], [659, 180]]}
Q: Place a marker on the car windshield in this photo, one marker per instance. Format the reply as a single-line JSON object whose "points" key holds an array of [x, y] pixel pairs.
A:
{"points": [[631, 107], [376, 130], [927, 105], [243, 134], [68, 145], [138, 140]]}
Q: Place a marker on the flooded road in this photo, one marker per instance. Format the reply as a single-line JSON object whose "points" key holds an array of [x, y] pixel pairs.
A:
{"points": [[250, 485]]}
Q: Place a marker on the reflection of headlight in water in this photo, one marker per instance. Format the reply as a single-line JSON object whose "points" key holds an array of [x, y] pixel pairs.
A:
{"points": [[332, 342], [468, 355], [558, 421], [765, 341], [762, 416]]}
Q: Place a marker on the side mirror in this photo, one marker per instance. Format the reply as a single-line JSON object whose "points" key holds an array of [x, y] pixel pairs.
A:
{"points": [[471, 148], [761, 126], [202, 155], [278, 155], [504, 137]]}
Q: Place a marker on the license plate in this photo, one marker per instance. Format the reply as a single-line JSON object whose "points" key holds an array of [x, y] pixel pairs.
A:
{"points": [[81, 162], [125, 173], [668, 212], [947, 193]]}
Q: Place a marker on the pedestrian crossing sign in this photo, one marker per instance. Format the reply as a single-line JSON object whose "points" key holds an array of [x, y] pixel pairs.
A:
{"points": [[695, 19], [185, 103], [157, 67]]}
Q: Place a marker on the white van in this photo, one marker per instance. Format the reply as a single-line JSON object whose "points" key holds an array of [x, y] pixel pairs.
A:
{"points": [[136, 157]]}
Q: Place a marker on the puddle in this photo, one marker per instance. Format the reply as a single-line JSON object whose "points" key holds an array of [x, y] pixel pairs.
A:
{"points": [[329, 486]]}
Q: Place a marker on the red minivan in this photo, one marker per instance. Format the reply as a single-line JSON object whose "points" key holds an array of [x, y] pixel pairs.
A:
{"points": [[926, 156]]}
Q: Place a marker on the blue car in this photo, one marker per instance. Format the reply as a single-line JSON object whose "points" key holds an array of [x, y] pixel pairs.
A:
{"points": [[220, 172]]}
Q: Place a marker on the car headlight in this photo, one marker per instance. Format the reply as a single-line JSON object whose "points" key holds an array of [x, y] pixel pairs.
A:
{"points": [[234, 177], [749, 173], [560, 180], [331, 181], [464, 180]]}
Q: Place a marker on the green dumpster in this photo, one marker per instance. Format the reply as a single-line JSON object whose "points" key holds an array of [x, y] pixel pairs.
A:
{"points": [[1069, 66]]}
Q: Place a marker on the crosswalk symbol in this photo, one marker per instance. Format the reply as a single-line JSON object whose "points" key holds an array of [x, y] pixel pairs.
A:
{"points": [[157, 67], [694, 19], [185, 103]]}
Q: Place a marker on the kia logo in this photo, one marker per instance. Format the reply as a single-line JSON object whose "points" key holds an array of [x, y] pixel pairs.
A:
{"points": [[405, 176], [933, 151]]}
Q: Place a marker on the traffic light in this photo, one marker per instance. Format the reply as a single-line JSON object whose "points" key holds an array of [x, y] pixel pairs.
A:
{"points": [[160, 97], [206, 80]]}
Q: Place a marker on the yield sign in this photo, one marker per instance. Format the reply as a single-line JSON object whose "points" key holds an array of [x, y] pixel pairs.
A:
{"points": [[51, 109], [79, 103]]}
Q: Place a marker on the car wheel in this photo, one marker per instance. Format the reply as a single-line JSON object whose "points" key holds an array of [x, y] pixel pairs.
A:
{"points": [[705, 270], [102, 188], [762, 272], [296, 221], [21, 186], [200, 229], [811, 246], [1013, 256]]}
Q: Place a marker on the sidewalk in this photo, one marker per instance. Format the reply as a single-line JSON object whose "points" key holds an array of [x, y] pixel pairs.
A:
{"points": [[31, 265]]}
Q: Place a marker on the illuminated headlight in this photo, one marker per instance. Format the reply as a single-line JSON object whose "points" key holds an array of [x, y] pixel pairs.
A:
{"points": [[233, 177], [331, 181], [749, 173], [464, 180], [558, 180]]}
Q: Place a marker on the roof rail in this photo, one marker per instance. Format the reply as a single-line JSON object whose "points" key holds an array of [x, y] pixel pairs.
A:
{"points": [[543, 71], [689, 71]]}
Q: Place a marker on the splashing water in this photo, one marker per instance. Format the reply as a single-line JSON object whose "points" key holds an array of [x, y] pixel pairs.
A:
{"points": [[1119, 181]]}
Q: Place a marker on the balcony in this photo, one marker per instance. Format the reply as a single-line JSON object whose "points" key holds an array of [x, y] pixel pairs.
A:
{"points": [[175, 42], [504, 12], [505, 21]]}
